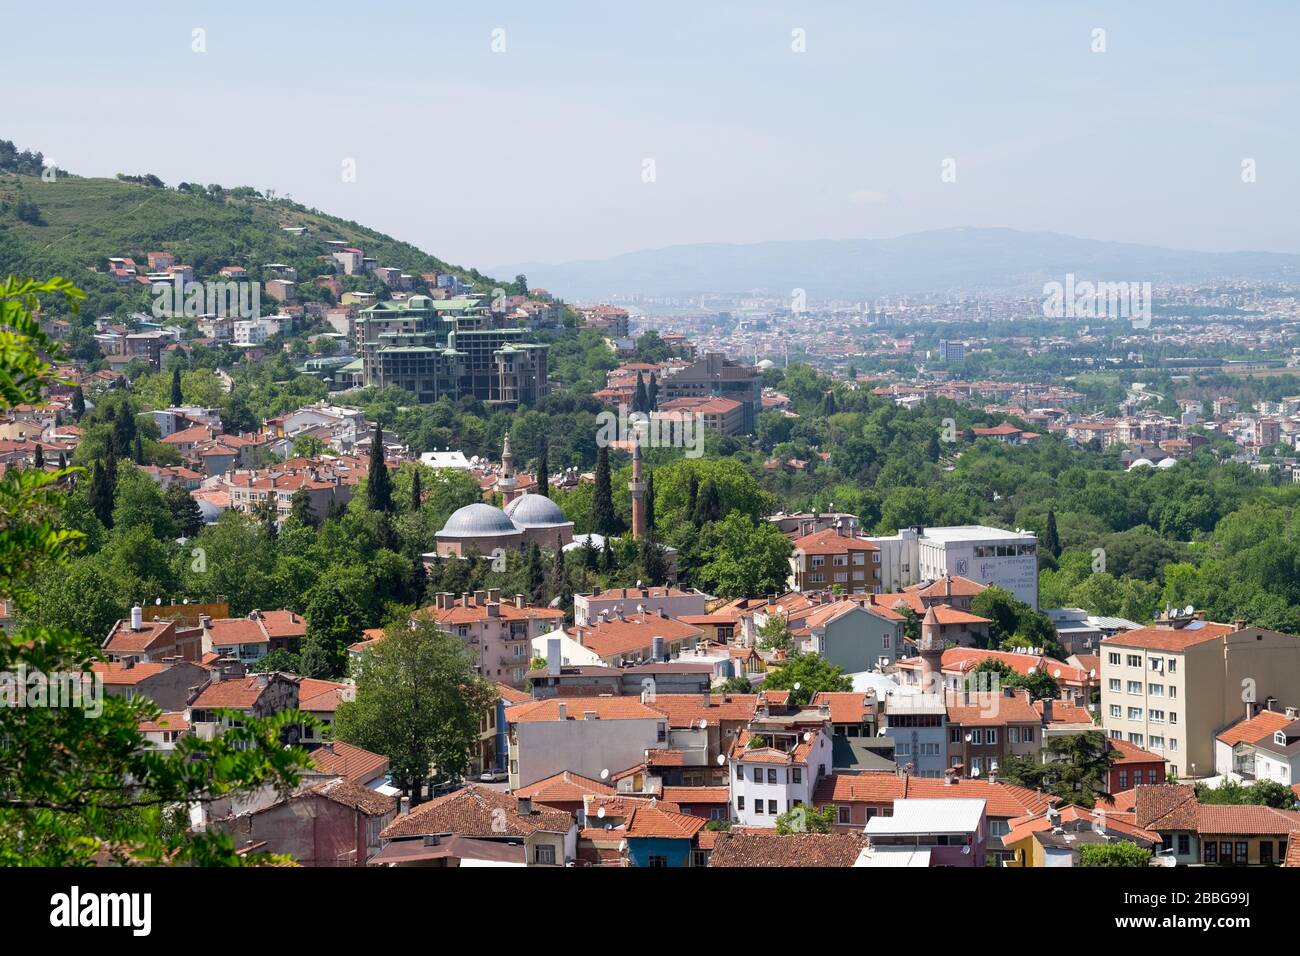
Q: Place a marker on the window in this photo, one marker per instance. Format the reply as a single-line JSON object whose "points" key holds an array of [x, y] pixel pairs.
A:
{"points": [[1225, 851], [992, 737], [1027, 735], [657, 862], [886, 642], [1113, 658], [1135, 660], [663, 732], [1123, 779], [1152, 776], [1243, 852], [699, 858], [758, 774], [1135, 713], [771, 775], [1211, 852], [1135, 739], [1266, 851], [1173, 691], [1184, 844], [1115, 684], [1157, 716], [771, 807], [954, 735], [929, 750], [845, 815], [796, 774], [740, 772], [740, 804], [1135, 687], [1116, 710], [1157, 743], [1173, 742], [545, 854], [977, 737], [1156, 690], [758, 807], [1173, 665]]}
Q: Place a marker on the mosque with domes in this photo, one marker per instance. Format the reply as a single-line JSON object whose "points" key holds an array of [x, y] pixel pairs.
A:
{"points": [[524, 520]]}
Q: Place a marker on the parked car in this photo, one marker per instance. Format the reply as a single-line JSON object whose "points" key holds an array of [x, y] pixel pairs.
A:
{"points": [[493, 776]]}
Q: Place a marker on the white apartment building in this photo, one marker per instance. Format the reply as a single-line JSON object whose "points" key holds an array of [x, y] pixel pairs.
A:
{"points": [[779, 774], [990, 556]]}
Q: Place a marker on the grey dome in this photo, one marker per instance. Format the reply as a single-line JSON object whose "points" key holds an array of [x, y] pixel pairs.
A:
{"points": [[478, 520], [535, 511]]}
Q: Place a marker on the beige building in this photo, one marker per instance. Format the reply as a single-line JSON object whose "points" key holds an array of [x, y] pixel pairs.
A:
{"points": [[1172, 687]]}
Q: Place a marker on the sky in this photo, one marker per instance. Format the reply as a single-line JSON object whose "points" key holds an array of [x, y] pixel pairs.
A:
{"points": [[492, 134]]}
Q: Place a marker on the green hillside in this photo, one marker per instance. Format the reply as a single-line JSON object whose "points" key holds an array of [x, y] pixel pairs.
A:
{"points": [[72, 224]]}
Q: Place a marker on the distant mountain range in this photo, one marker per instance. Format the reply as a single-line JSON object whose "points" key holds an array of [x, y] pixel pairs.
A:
{"points": [[939, 261]]}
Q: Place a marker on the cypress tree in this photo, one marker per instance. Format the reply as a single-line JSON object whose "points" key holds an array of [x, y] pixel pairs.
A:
{"points": [[692, 496], [544, 474], [379, 484], [38, 457], [652, 394], [640, 400], [417, 493], [603, 521], [78, 403], [177, 397], [1052, 540]]}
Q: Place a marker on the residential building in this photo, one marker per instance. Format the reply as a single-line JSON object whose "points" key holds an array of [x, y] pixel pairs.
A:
{"points": [[498, 633], [943, 832], [987, 556], [589, 736], [827, 560], [1170, 688]]}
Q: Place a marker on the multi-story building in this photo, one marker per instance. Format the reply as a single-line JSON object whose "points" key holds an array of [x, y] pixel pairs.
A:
{"points": [[832, 560], [499, 633], [594, 737], [987, 556], [450, 347], [715, 375], [1172, 687], [918, 725], [776, 763], [984, 729]]}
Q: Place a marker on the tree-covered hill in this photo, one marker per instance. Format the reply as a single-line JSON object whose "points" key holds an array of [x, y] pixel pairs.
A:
{"points": [[70, 224]]}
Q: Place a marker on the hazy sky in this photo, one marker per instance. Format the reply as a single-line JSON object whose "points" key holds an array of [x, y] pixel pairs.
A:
{"points": [[537, 153]]}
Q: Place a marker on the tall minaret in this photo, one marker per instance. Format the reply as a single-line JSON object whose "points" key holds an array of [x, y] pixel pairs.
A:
{"points": [[931, 651], [507, 484], [637, 487]]}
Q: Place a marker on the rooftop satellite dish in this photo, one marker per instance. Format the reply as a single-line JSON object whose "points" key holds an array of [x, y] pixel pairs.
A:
{"points": [[969, 738], [1189, 610], [796, 685], [965, 851], [807, 736], [704, 723], [604, 774], [1092, 673], [638, 582], [1033, 670], [722, 759], [601, 813], [1056, 673], [157, 601], [975, 772], [993, 766], [881, 732]]}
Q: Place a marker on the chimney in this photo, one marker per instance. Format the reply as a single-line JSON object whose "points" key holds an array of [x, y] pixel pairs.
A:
{"points": [[657, 648], [216, 675], [1239, 623], [525, 806], [1047, 710], [467, 598], [553, 660], [494, 594], [137, 618], [405, 806], [479, 598], [519, 602], [563, 711]]}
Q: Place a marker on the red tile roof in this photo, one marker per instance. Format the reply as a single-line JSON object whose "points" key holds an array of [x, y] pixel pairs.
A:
{"points": [[563, 787], [650, 821], [605, 708], [1245, 820], [1174, 639], [1264, 724], [831, 541], [476, 811], [769, 849], [337, 758], [1002, 800]]}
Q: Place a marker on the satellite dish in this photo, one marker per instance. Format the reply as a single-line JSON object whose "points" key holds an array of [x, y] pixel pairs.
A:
{"points": [[969, 738], [722, 759], [1092, 673], [881, 732], [601, 813], [975, 772], [993, 766], [1056, 673], [1033, 670], [157, 601], [807, 736], [638, 582], [704, 723], [796, 685], [1189, 610], [965, 851], [604, 774]]}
